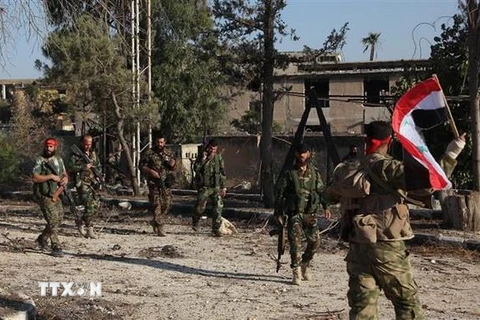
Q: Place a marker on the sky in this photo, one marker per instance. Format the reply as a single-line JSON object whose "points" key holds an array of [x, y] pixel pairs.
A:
{"points": [[406, 27]]}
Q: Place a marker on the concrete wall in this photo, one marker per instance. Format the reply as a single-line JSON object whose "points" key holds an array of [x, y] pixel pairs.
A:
{"points": [[242, 155]]}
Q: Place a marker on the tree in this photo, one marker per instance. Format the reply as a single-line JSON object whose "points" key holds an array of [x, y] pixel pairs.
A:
{"points": [[186, 73], [334, 43], [249, 30], [371, 42], [471, 8], [449, 57], [85, 63]]}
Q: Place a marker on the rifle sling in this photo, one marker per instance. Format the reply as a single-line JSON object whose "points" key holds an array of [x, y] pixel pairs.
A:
{"points": [[384, 185]]}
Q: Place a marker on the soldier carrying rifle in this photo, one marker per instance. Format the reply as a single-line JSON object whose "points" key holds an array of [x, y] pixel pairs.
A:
{"points": [[300, 190], [156, 164], [45, 184], [85, 166]]}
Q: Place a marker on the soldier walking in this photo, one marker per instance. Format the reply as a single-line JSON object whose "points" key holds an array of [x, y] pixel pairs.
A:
{"points": [[210, 180], [300, 191], [45, 184], [156, 164], [87, 185], [377, 229]]}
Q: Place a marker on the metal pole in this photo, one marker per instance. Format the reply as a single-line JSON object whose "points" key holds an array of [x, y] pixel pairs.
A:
{"points": [[149, 62], [134, 87], [137, 83]]}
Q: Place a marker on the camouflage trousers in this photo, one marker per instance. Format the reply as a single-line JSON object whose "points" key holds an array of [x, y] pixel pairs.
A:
{"points": [[88, 198], [53, 214], [382, 265], [203, 195], [160, 200], [299, 227]]}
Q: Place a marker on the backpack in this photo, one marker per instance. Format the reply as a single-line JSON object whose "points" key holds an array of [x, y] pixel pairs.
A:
{"points": [[350, 180]]}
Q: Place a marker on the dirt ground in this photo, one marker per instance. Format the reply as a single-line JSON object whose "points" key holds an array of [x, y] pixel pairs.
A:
{"points": [[189, 275]]}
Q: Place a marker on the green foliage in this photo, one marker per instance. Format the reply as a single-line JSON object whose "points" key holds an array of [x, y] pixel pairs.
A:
{"points": [[250, 123], [9, 161], [186, 75], [371, 42], [449, 57], [85, 62], [335, 42], [241, 26], [5, 111]]}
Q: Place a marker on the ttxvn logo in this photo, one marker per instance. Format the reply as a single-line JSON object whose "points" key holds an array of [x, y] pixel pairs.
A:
{"points": [[69, 289]]}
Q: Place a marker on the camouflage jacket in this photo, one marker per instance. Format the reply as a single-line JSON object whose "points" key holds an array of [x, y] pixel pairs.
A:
{"points": [[47, 188], [158, 161], [79, 170], [384, 209], [302, 193], [210, 173]]}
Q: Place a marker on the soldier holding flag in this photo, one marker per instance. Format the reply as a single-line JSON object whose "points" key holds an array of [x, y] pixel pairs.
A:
{"points": [[377, 258]]}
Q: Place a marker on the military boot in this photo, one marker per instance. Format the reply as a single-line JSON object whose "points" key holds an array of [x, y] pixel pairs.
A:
{"points": [[196, 225], [41, 243], [161, 231], [154, 226], [57, 251], [306, 274], [91, 234], [297, 277], [80, 227]]}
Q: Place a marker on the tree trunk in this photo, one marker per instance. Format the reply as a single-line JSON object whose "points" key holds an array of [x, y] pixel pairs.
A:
{"points": [[473, 58], [372, 52], [461, 210], [267, 110], [126, 148]]}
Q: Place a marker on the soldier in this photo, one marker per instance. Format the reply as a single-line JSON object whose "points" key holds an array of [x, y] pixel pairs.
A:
{"points": [[157, 164], [87, 185], [377, 257], [45, 184], [300, 190], [210, 183]]}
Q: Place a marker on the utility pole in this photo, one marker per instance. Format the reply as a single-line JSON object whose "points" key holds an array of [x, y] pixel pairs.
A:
{"points": [[149, 63], [473, 16], [135, 25]]}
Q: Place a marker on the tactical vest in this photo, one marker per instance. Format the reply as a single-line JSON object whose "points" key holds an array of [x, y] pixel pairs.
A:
{"points": [[158, 162], [305, 200], [47, 188], [210, 175]]}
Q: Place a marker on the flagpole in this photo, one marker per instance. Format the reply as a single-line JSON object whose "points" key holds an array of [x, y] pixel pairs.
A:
{"points": [[449, 113]]}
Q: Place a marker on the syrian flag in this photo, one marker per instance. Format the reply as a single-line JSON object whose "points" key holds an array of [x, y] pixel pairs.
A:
{"points": [[422, 107]]}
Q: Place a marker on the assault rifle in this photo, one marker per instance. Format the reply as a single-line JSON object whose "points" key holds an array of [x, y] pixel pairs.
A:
{"points": [[98, 175], [281, 231], [68, 193]]}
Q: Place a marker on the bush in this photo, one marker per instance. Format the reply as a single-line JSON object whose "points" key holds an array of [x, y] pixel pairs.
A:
{"points": [[9, 161]]}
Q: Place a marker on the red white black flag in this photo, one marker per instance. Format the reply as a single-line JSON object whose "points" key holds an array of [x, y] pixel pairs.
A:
{"points": [[422, 107]]}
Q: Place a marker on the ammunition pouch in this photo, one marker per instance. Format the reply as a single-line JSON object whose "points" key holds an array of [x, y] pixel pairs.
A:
{"points": [[395, 224], [44, 189], [364, 229]]}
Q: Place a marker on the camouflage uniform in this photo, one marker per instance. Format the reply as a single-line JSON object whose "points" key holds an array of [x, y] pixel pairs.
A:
{"points": [[43, 192], [159, 193], [303, 201], [211, 178], [87, 186], [377, 258]]}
